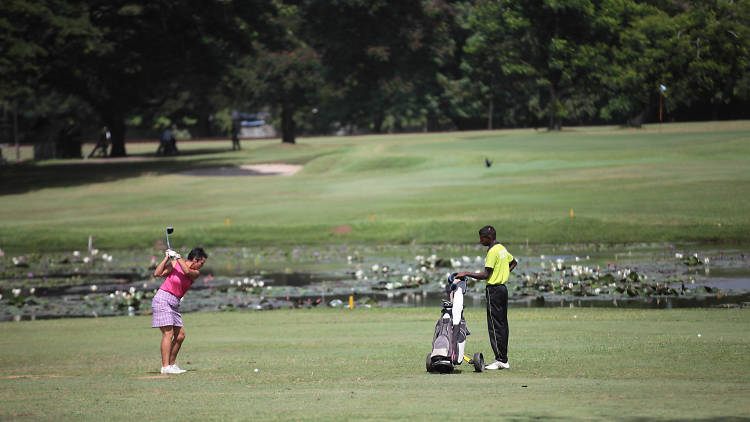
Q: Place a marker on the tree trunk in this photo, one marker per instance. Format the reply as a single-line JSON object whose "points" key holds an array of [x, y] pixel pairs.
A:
{"points": [[287, 124], [116, 125], [554, 121], [490, 112]]}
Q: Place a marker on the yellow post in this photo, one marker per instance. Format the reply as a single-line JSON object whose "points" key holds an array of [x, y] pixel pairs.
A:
{"points": [[372, 217], [229, 267], [351, 302], [571, 213], [227, 221]]}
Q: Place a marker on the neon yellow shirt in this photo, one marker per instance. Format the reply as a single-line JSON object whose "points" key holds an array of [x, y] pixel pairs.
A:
{"points": [[499, 259]]}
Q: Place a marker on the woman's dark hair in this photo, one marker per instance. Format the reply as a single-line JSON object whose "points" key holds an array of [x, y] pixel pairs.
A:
{"points": [[197, 252], [487, 231]]}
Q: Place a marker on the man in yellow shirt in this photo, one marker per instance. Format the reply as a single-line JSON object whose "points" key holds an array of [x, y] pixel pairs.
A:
{"points": [[497, 267]]}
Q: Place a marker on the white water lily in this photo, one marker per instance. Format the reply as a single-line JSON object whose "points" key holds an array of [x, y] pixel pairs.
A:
{"points": [[1, 297], [16, 292], [15, 260], [405, 278], [132, 290], [32, 290], [94, 251], [466, 258], [261, 283], [706, 260], [478, 259], [86, 260], [358, 274], [93, 287], [423, 269], [541, 257], [385, 269], [570, 286], [597, 291], [349, 259], [109, 258], [678, 255], [76, 253], [375, 267]]}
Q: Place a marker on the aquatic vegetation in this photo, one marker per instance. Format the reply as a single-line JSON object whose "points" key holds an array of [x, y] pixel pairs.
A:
{"points": [[99, 283]]}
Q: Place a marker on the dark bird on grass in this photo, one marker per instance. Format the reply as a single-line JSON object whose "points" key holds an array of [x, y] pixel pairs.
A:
{"points": [[487, 162]]}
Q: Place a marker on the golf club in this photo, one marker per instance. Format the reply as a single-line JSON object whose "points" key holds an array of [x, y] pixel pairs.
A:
{"points": [[170, 229]]}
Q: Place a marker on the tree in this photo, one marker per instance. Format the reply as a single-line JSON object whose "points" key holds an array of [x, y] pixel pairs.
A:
{"points": [[286, 74], [123, 57], [383, 58], [548, 45]]}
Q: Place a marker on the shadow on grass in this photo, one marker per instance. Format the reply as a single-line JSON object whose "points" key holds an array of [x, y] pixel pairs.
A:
{"points": [[26, 177]]}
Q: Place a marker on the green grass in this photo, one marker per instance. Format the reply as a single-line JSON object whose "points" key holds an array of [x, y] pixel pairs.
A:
{"points": [[566, 364], [672, 182]]}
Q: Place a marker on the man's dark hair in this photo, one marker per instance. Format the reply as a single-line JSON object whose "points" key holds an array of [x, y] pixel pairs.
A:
{"points": [[487, 231], [197, 252]]}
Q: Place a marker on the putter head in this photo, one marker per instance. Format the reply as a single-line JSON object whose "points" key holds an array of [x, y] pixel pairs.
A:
{"points": [[170, 229]]}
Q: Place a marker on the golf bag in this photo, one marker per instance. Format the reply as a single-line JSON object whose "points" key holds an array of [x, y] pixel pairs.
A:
{"points": [[448, 341]]}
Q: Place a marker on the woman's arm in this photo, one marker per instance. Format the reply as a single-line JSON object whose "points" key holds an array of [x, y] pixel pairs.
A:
{"points": [[163, 270], [191, 273]]}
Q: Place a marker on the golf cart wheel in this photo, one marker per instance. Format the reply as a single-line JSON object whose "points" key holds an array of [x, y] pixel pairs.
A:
{"points": [[428, 363], [478, 362]]}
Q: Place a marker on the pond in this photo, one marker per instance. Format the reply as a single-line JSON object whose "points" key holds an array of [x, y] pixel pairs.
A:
{"points": [[94, 283]]}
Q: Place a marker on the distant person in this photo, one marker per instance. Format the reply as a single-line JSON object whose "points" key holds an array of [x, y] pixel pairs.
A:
{"points": [[236, 135], [179, 276], [105, 139], [167, 143], [497, 267]]}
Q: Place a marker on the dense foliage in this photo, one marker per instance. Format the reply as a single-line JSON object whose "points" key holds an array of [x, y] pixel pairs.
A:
{"points": [[322, 66]]}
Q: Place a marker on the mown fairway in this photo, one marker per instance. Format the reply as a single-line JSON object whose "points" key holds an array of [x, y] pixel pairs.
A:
{"points": [[680, 182], [567, 364]]}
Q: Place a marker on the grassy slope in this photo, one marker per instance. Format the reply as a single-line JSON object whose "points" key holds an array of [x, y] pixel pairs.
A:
{"points": [[582, 364], [674, 182]]}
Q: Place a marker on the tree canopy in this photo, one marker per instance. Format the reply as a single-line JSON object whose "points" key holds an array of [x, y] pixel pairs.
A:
{"points": [[321, 66]]}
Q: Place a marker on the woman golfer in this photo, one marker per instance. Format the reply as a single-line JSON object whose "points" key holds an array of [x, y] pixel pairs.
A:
{"points": [[180, 275]]}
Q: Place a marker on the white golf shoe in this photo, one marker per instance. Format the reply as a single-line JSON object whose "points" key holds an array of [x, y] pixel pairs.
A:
{"points": [[177, 369], [172, 369], [498, 365]]}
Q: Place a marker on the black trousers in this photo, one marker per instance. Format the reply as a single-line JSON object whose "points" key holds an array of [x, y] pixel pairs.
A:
{"points": [[497, 319]]}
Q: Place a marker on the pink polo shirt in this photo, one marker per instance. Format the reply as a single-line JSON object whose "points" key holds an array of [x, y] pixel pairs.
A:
{"points": [[177, 282]]}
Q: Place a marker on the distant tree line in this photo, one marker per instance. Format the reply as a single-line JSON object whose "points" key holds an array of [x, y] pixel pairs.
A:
{"points": [[324, 66]]}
